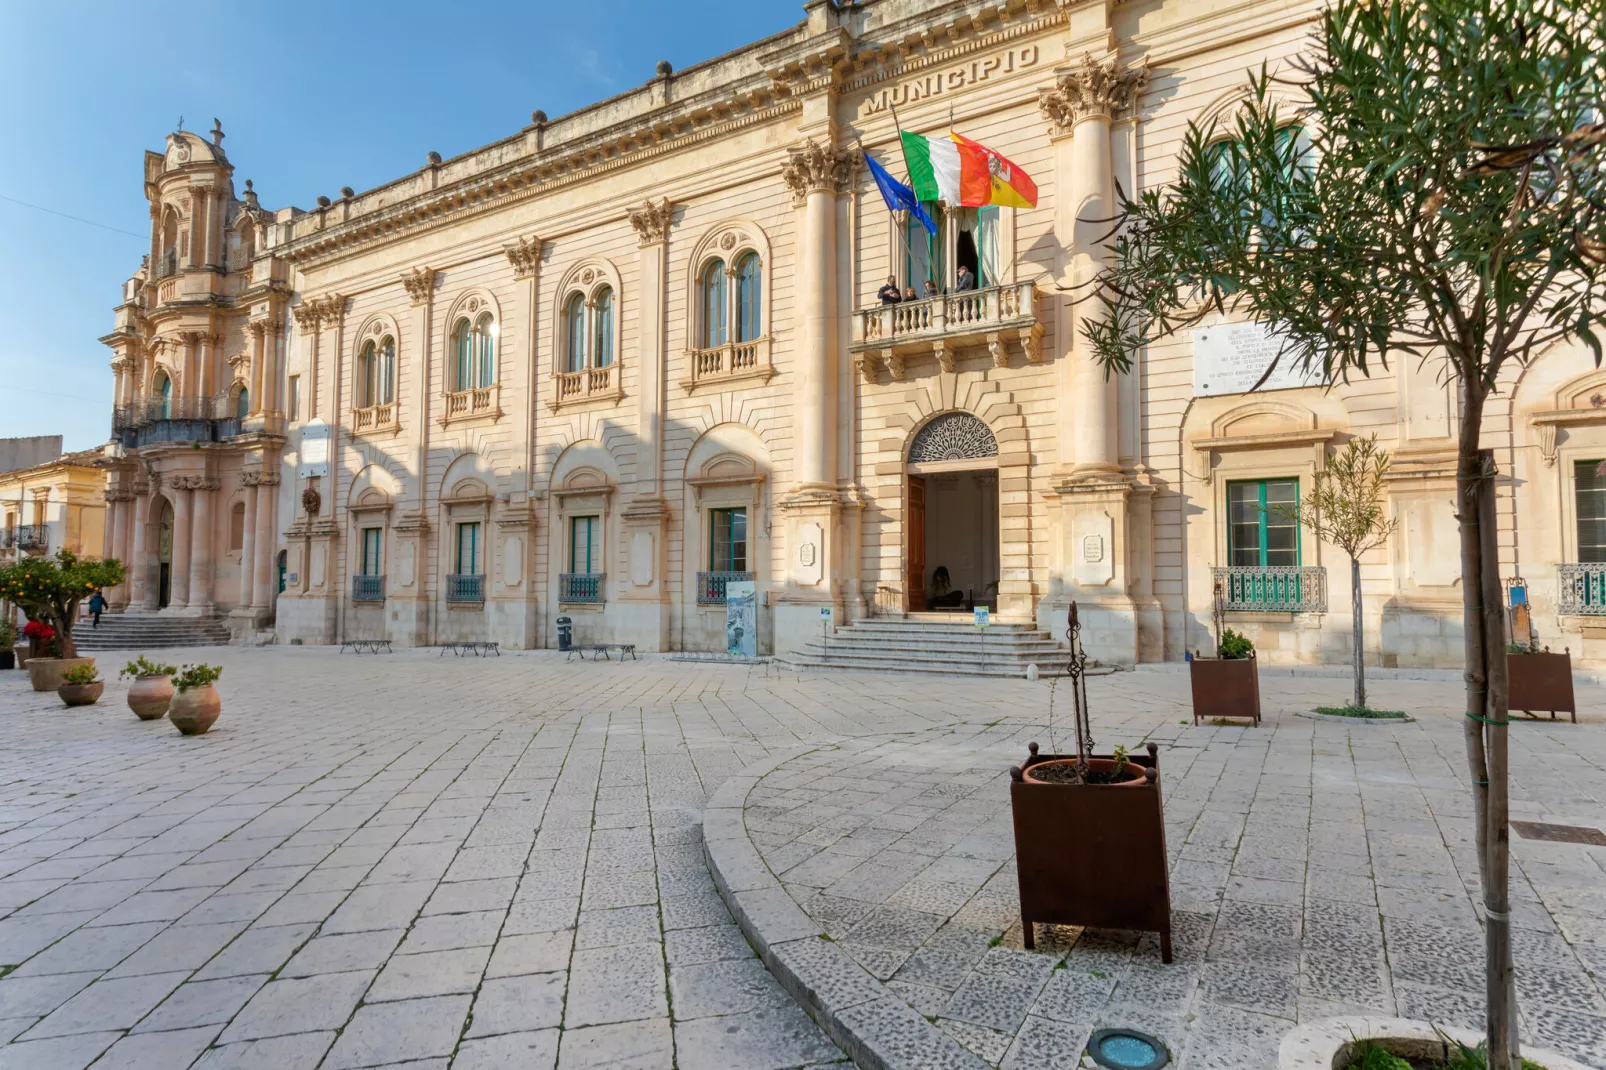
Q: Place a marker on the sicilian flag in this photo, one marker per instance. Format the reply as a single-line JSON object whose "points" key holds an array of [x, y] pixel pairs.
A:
{"points": [[963, 173], [899, 198]]}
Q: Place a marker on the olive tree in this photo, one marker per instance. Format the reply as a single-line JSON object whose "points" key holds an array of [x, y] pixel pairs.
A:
{"points": [[1445, 204]]}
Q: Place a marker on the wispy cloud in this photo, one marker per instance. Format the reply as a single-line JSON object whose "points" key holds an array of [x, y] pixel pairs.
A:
{"points": [[590, 63]]}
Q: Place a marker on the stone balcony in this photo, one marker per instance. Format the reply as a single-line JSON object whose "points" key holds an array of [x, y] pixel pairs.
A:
{"points": [[993, 317], [481, 402], [587, 384], [377, 419]]}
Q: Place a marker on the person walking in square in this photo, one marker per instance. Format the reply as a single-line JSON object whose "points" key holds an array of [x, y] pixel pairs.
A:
{"points": [[97, 605]]}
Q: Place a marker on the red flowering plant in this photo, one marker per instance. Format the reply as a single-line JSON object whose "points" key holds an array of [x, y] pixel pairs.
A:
{"points": [[40, 636], [49, 590]]}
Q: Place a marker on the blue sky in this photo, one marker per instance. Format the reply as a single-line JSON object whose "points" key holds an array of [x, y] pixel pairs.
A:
{"points": [[312, 97]]}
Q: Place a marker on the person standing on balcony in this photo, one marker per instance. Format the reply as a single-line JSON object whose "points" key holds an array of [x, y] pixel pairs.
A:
{"points": [[966, 281], [910, 295], [931, 289], [890, 294]]}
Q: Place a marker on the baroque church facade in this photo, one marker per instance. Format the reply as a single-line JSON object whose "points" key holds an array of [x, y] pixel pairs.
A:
{"points": [[621, 358]]}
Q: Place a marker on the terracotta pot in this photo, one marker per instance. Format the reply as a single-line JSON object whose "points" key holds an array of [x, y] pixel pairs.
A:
{"points": [[1134, 772], [46, 673], [81, 694], [149, 696], [193, 711]]}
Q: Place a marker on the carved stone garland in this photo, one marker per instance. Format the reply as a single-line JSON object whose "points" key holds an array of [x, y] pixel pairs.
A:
{"points": [[953, 436]]}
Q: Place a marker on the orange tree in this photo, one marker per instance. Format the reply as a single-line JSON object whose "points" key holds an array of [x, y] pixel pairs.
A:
{"points": [[49, 589]]}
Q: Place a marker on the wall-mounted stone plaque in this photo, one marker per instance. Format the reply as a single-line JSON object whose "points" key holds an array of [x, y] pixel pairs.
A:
{"points": [[1230, 358]]}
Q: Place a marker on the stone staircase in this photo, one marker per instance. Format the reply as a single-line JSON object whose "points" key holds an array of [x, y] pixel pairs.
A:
{"points": [[143, 631], [934, 646]]}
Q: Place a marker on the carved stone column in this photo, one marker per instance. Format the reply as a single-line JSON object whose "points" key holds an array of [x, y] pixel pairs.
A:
{"points": [[120, 502], [257, 382], [248, 539], [263, 582], [818, 548], [307, 317], [178, 592], [201, 535], [420, 286], [139, 558], [1092, 529]]}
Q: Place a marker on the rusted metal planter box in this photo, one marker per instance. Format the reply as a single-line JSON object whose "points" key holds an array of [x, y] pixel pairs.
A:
{"points": [[1092, 854], [1542, 682], [1225, 687]]}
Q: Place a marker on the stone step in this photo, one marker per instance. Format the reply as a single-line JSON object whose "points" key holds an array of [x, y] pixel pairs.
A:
{"points": [[1037, 648], [945, 668], [133, 632]]}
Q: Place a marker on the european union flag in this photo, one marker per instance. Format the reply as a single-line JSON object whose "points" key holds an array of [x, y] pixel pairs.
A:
{"points": [[899, 198]]}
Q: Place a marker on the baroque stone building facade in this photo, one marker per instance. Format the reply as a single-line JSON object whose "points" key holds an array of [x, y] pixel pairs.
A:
{"points": [[620, 358]]}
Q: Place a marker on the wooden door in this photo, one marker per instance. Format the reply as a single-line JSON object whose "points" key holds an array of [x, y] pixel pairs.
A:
{"points": [[915, 531]]}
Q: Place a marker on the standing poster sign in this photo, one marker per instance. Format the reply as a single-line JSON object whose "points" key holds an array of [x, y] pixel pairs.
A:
{"points": [[983, 617], [741, 619]]}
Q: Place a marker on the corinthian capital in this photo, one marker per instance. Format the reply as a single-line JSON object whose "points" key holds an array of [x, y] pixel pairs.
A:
{"points": [[420, 284], [1093, 88], [652, 221], [332, 309], [306, 315], [813, 166], [525, 257]]}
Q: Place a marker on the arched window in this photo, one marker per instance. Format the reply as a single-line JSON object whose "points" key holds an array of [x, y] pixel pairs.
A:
{"points": [[484, 351], [462, 354], [749, 298], [368, 376], [242, 404], [387, 370], [574, 332], [164, 391], [602, 327], [713, 287]]}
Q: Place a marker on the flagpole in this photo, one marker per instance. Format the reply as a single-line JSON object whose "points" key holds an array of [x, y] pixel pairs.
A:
{"points": [[898, 126], [897, 229]]}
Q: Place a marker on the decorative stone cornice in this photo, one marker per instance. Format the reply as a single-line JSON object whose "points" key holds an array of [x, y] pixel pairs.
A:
{"points": [[420, 284], [525, 257], [1095, 88], [812, 167], [652, 221]]}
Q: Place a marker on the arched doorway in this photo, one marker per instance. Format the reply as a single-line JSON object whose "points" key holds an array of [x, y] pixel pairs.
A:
{"points": [[164, 555], [951, 557]]}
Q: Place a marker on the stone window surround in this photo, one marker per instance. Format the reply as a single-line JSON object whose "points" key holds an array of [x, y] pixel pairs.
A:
{"points": [[385, 417], [476, 404], [594, 497], [726, 490], [468, 502], [729, 241], [373, 511], [895, 255], [594, 382]]}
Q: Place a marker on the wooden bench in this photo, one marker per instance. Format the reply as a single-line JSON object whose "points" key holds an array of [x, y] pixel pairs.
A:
{"points": [[373, 646], [600, 650], [478, 648]]}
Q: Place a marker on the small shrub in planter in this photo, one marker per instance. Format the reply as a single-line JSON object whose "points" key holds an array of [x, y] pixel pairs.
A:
{"points": [[81, 685], [196, 705], [1227, 685], [152, 689]]}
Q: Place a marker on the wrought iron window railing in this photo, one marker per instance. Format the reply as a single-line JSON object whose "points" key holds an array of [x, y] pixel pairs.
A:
{"points": [[26, 537], [367, 588], [711, 586], [580, 586], [152, 421], [1581, 589], [1272, 588], [465, 588]]}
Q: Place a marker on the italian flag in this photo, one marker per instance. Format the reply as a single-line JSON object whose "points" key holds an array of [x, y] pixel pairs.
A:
{"points": [[962, 173]]}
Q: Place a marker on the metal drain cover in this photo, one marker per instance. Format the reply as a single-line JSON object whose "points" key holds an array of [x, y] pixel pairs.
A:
{"points": [[1127, 1049], [1539, 830]]}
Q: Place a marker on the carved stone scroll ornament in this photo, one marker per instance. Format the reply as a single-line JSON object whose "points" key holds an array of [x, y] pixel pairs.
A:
{"points": [[1093, 88], [812, 167], [525, 257], [652, 221], [420, 284], [119, 494], [255, 477], [193, 482]]}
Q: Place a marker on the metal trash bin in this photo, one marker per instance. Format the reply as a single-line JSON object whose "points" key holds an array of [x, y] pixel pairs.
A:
{"points": [[565, 633]]}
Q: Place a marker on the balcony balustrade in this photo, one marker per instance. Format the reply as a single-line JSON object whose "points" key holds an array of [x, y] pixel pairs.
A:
{"points": [[367, 588], [467, 404], [154, 422], [587, 384], [1581, 589], [1272, 588], [585, 587], [994, 316], [376, 418], [26, 537], [465, 588], [711, 586], [733, 361]]}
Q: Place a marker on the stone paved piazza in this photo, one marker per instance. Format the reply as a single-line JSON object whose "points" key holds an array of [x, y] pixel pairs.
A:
{"points": [[432, 862]]}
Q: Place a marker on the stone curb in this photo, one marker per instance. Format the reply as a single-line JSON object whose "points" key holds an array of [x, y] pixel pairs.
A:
{"points": [[1338, 718], [1337, 672], [1317, 1045], [877, 1029]]}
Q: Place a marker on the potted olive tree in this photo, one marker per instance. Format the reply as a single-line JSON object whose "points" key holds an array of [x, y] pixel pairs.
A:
{"points": [[81, 685], [196, 704], [152, 689], [49, 590], [1090, 831], [1227, 685]]}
